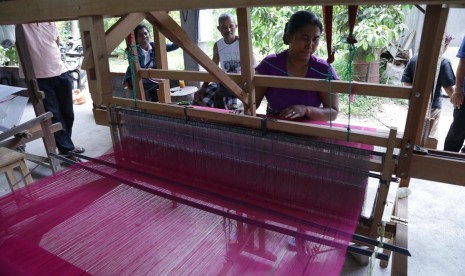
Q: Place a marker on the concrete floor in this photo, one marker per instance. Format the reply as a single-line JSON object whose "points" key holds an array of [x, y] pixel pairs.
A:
{"points": [[436, 220]]}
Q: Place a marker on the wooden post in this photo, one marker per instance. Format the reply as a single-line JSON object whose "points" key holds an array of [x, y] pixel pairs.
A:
{"points": [[164, 94], [399, 261], [247, 58], [98, 76], [384, 183], [433, 30]]}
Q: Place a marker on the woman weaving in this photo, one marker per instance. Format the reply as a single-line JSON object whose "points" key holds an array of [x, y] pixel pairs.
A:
{"points": [[302, 34]]}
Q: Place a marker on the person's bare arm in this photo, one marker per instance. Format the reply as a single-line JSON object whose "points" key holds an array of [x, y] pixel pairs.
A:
{"points": [[457, 97], [203, 88], [449, 90], [216, 54], [328, 112]]}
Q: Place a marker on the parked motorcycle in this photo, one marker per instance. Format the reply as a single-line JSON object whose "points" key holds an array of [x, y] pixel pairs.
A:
{"points": [[72, 54]]}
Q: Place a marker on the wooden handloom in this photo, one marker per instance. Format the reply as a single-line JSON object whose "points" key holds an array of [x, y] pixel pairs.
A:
{"points": [[406, 163]]}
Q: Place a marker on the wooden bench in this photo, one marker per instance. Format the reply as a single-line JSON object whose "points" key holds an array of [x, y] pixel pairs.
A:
{"points": [[9, 160]]}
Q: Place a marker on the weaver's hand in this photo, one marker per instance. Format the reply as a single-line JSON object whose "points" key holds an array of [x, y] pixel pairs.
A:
{"points": [[199, 95], [457, 99], [294, 111]]}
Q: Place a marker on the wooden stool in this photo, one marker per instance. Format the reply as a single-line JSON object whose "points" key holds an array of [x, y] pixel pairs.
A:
{"points": [[10, 159]]}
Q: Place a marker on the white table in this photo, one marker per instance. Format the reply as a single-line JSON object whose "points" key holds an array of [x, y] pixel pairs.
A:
{"points": [[179, 94]]}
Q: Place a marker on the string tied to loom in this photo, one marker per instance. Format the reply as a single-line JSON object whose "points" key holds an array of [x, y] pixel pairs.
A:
{"points": [[349, 72], [130, 54], [349, 76], [352, 18], [382, 230], [328, 19]]}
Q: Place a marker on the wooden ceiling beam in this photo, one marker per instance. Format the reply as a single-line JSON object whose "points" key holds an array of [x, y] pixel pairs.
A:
{"points": [[27, 11]]}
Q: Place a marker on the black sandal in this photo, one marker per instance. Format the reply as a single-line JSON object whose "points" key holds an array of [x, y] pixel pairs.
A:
{"points": [[78, 150]]}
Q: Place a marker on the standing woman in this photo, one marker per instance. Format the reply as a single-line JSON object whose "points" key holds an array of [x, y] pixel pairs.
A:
{"points": [[302, 33], [147, 59]]}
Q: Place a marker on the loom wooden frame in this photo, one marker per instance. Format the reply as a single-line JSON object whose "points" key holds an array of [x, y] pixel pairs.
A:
{"points": [[98, 44]]}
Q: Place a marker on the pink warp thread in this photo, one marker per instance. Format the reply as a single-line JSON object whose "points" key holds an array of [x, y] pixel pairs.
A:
{"points": [[80, 222]]}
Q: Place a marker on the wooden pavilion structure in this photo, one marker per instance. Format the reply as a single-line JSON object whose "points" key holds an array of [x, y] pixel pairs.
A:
{"points": [[400, 158]]}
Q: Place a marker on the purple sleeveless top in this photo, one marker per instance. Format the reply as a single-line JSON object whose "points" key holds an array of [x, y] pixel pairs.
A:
{"points": [[281, 98]]}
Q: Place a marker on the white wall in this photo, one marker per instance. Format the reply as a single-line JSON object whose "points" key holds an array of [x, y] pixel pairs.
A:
{"points": [[455, 26]]}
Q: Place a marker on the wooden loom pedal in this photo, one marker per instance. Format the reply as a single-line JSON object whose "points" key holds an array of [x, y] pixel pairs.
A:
{"points": [[245, 240]]}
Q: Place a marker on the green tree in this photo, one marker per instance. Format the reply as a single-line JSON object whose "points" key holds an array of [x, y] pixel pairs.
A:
{"points": [[268, 26], [8, 56], [376, 26]]}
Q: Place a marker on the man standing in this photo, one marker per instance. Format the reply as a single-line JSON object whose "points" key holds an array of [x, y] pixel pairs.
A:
{"points": [[53, 79], [456, 135], [445, 79]]}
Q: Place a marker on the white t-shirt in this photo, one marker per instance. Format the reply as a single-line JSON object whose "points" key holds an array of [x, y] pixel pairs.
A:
{"points": [[230, 57], [147, 57], [45, 55]]}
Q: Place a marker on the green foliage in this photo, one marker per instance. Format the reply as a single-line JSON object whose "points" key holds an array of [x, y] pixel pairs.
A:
{"points": [[362, 106], [8, 56], [340, 65], [376, 27], [64, 30], [268, 26]]}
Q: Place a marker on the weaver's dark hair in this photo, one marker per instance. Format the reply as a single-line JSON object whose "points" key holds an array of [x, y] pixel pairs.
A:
{"points": [[138, 28], [299, 20]]}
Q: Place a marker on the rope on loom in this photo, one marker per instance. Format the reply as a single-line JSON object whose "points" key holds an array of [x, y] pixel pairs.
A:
{"points": [[328, 19], [350, 74], [382, 229], [132, 59]]}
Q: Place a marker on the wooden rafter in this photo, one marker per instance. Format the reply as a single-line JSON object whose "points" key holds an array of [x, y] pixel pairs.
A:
{"points": [[26, 11], [115, 35]]}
